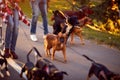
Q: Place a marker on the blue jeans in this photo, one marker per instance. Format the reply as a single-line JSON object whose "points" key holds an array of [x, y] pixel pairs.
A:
{"points": [[39, 7], [12, 31]]}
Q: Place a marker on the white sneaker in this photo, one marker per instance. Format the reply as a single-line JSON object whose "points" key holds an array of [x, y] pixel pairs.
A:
{"points": [[33, 37]]}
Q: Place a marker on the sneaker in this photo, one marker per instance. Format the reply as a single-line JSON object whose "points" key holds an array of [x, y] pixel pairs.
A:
{"points": [[7, 53], [33, 37], [14, 55]]}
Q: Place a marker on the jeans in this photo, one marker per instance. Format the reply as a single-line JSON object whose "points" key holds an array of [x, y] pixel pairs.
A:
{"points": [[12, 30], [39, 7]]}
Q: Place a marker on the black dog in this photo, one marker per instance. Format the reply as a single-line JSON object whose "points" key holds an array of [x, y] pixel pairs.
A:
{"points": [[101, 71], [32, 72]]}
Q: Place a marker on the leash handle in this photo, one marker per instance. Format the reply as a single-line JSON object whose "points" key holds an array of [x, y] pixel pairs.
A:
{"points": [[34, 48]]}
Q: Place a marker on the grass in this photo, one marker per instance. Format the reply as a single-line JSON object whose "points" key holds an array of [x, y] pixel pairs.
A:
{"points": [[100, 37]]}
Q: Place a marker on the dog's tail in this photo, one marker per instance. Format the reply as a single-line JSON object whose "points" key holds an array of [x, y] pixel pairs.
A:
{"points": [[34, 48], [88, 58]]}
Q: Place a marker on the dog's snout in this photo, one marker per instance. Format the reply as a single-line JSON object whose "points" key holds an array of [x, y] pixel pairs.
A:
{"points": [[62, 39]]}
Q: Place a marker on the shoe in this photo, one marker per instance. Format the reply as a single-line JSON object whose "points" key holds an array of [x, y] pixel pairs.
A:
{"points": [[7, 53], [14, 55], [33, 37]]}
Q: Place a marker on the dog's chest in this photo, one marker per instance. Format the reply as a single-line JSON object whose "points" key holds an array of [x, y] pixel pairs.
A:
{"points": [[60, 46]]}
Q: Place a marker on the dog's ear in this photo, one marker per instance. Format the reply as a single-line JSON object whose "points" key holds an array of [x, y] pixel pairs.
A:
{"points": [[63, 72]]}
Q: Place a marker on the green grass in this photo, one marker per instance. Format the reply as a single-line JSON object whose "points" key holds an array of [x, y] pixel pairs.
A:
{"points": [[100, 37]]}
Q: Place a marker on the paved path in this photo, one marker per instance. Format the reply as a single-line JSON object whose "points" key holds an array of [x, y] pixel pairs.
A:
{"points": [[77, 66]]}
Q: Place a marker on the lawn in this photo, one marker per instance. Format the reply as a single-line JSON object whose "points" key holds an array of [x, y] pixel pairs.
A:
{"points": [[100, 37]]}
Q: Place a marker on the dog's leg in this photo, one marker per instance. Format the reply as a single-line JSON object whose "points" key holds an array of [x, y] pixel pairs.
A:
{"points": [[64, 54], [72, 36], [46, 54], [53, 54], [7, 72], [103, 75], [81, 38], [1, 74]]}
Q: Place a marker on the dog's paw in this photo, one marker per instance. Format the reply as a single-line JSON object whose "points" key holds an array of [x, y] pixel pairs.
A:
{"points": [[8, 73], [1, 75]]}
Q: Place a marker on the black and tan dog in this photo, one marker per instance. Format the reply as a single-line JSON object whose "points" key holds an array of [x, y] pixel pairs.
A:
{"points": [[47, 66], [57, 43], [101, 71], [3, 65], [77, 29], [31, 71], [70, 25], [42, 70]]}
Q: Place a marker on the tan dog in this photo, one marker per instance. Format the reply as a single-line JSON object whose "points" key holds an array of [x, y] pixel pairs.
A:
{"points": [[57, 43]]}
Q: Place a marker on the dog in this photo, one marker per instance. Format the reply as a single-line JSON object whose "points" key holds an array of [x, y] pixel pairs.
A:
{"points": [[3, 60], [77, 29], [31, 71], [101, 71], [57, 43], [59, 19], [80, 13], [50, 68], [3, 65]]}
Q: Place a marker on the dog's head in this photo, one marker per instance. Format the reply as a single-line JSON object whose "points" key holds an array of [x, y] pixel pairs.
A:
{"points": [[38, 74], [73, 20], [62, 38], [58, 75]]}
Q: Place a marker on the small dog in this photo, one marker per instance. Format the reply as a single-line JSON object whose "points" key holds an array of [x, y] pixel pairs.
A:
{"points": [[32, 72], [50, 68], [57, 43], [101, 71], [3, 65]]}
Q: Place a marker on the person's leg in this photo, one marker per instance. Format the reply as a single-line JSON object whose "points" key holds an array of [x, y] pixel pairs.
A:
{"points": [[43, 9], [35, 15], [8, 35], [14, 33]]}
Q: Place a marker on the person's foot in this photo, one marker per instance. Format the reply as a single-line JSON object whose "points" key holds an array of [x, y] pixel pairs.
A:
{"points": [[7, 53], [33, 37], [14, 55]]}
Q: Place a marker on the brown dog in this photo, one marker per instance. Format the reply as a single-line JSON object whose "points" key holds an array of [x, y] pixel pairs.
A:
{"points": [[56, 42], [101, 71], [77, 30]]}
